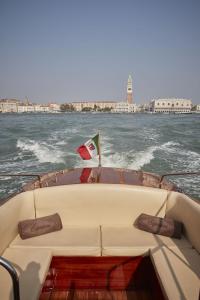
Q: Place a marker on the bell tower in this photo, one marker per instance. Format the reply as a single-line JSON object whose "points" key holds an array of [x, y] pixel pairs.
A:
{"points": [[129, 90]]}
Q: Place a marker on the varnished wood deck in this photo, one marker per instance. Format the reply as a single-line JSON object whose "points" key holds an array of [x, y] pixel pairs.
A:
{"points": [[96, 295], [101, 278]]}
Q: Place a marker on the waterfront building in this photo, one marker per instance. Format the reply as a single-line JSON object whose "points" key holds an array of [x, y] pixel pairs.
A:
{"points": [[171, 105], [41, 108], [17, 106], [94, 105], [54, 107], [129, 90], [196, 108], [143, 108], [8, 105], [21, 108], [125, 107]]}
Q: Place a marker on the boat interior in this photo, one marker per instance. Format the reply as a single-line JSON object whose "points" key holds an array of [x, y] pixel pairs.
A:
{"points": [[100, 253]]}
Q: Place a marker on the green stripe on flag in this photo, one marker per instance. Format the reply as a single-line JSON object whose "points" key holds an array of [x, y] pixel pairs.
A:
{"points": [[96, 141]]}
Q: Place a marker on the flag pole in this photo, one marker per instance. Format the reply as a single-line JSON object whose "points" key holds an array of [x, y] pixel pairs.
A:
{"points": [[99, 150]]}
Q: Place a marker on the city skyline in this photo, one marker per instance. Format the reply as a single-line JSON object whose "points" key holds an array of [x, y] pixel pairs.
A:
{"points": [[70, 51]]}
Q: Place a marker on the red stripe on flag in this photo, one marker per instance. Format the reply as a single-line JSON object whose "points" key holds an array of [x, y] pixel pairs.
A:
{"points": [[85, 175], [82, 150]]}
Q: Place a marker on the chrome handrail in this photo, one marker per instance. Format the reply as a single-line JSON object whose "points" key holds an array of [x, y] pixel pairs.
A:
{"points": [[24, 175], [13, 274], [177, 174]]}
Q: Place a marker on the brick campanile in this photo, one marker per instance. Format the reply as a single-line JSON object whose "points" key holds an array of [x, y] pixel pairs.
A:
{"points": [[129, 90]]}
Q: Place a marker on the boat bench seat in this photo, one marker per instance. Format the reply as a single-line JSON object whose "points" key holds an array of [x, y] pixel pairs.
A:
{"points": [[98, 220], [114, 240], [71, 240], [178, 271], [130, 241], [32, 266]]}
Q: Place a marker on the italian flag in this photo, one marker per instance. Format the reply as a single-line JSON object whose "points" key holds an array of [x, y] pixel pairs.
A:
{"points": [[90, 148], [87, 175]]}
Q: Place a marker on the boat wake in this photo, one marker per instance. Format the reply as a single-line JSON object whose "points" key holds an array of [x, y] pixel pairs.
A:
{"points": [[42, 151]]}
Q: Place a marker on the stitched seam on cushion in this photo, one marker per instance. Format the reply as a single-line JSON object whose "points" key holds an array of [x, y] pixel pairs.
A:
{"points": [[34, 198], [101, 242]]}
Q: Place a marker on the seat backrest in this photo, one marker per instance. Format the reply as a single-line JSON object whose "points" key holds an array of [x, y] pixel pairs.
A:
{"points": [[96, 204], [185, 210], [14, 210]]}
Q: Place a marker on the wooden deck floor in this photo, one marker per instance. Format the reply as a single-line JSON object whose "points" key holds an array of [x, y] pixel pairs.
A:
{"points": [[101, 278], [96, 295]]}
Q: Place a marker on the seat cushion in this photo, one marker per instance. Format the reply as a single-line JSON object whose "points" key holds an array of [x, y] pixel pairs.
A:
{"points": [[74, 240], [32, 266], [187, 211], [118, 240], [97, 203], [18, 208], [178, 271]]}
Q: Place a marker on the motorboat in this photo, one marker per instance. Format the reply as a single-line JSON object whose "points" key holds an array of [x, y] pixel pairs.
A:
{"points": [[99, 253]]}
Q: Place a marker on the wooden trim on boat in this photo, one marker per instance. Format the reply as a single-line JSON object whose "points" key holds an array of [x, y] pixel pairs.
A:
{"points": [[100, 175]]}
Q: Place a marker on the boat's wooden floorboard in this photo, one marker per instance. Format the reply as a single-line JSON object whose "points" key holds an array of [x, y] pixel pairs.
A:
{"points": [[101, 278], [96, 295]]}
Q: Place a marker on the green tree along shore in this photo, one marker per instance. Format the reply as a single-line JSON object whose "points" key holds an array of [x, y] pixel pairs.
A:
{"points": [[97, 108], [70, 108], [67, 107]]}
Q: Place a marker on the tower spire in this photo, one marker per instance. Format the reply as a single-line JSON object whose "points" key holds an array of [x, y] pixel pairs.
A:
{"points": [[130, 90]]}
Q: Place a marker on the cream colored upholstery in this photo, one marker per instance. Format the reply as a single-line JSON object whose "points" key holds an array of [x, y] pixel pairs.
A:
{"points": [[98, 220], [118, 240], [18, 208], [74, 240], [178, 271], [183, 209], [96, 204], [32, 266]]}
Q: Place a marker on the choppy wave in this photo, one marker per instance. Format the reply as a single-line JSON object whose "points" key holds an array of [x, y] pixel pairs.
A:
{"points": [[42, 151], [132, 159], [134, 142], [142, 158]]}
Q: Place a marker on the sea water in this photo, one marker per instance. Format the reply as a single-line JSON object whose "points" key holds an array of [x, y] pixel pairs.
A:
{"points": [[158, 143]]}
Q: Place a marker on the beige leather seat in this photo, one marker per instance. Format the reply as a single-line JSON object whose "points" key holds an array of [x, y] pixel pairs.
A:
{"points": [[128, 240], [71, 240], [98, 220], [178, 271], [32, 266]]}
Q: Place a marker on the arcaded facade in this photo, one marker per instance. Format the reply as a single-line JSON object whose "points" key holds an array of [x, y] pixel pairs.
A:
{"points": [[168, 105]]}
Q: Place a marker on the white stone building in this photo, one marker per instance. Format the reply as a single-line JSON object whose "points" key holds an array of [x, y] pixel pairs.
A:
{"points": [[125, 107], [94, 104], [171, 105], [21, 108], [143, 108], [8, 105], [196, 108], [54, 107], [44, 108]]}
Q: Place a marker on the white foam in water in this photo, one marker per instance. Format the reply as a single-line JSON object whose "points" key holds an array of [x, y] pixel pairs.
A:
{"points": [[61, 143], [132, 160], [171, 147], [42, 151], [143, 158]]}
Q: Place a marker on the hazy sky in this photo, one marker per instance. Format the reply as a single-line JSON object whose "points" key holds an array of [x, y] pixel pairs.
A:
{"points": [[73, 50]]}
